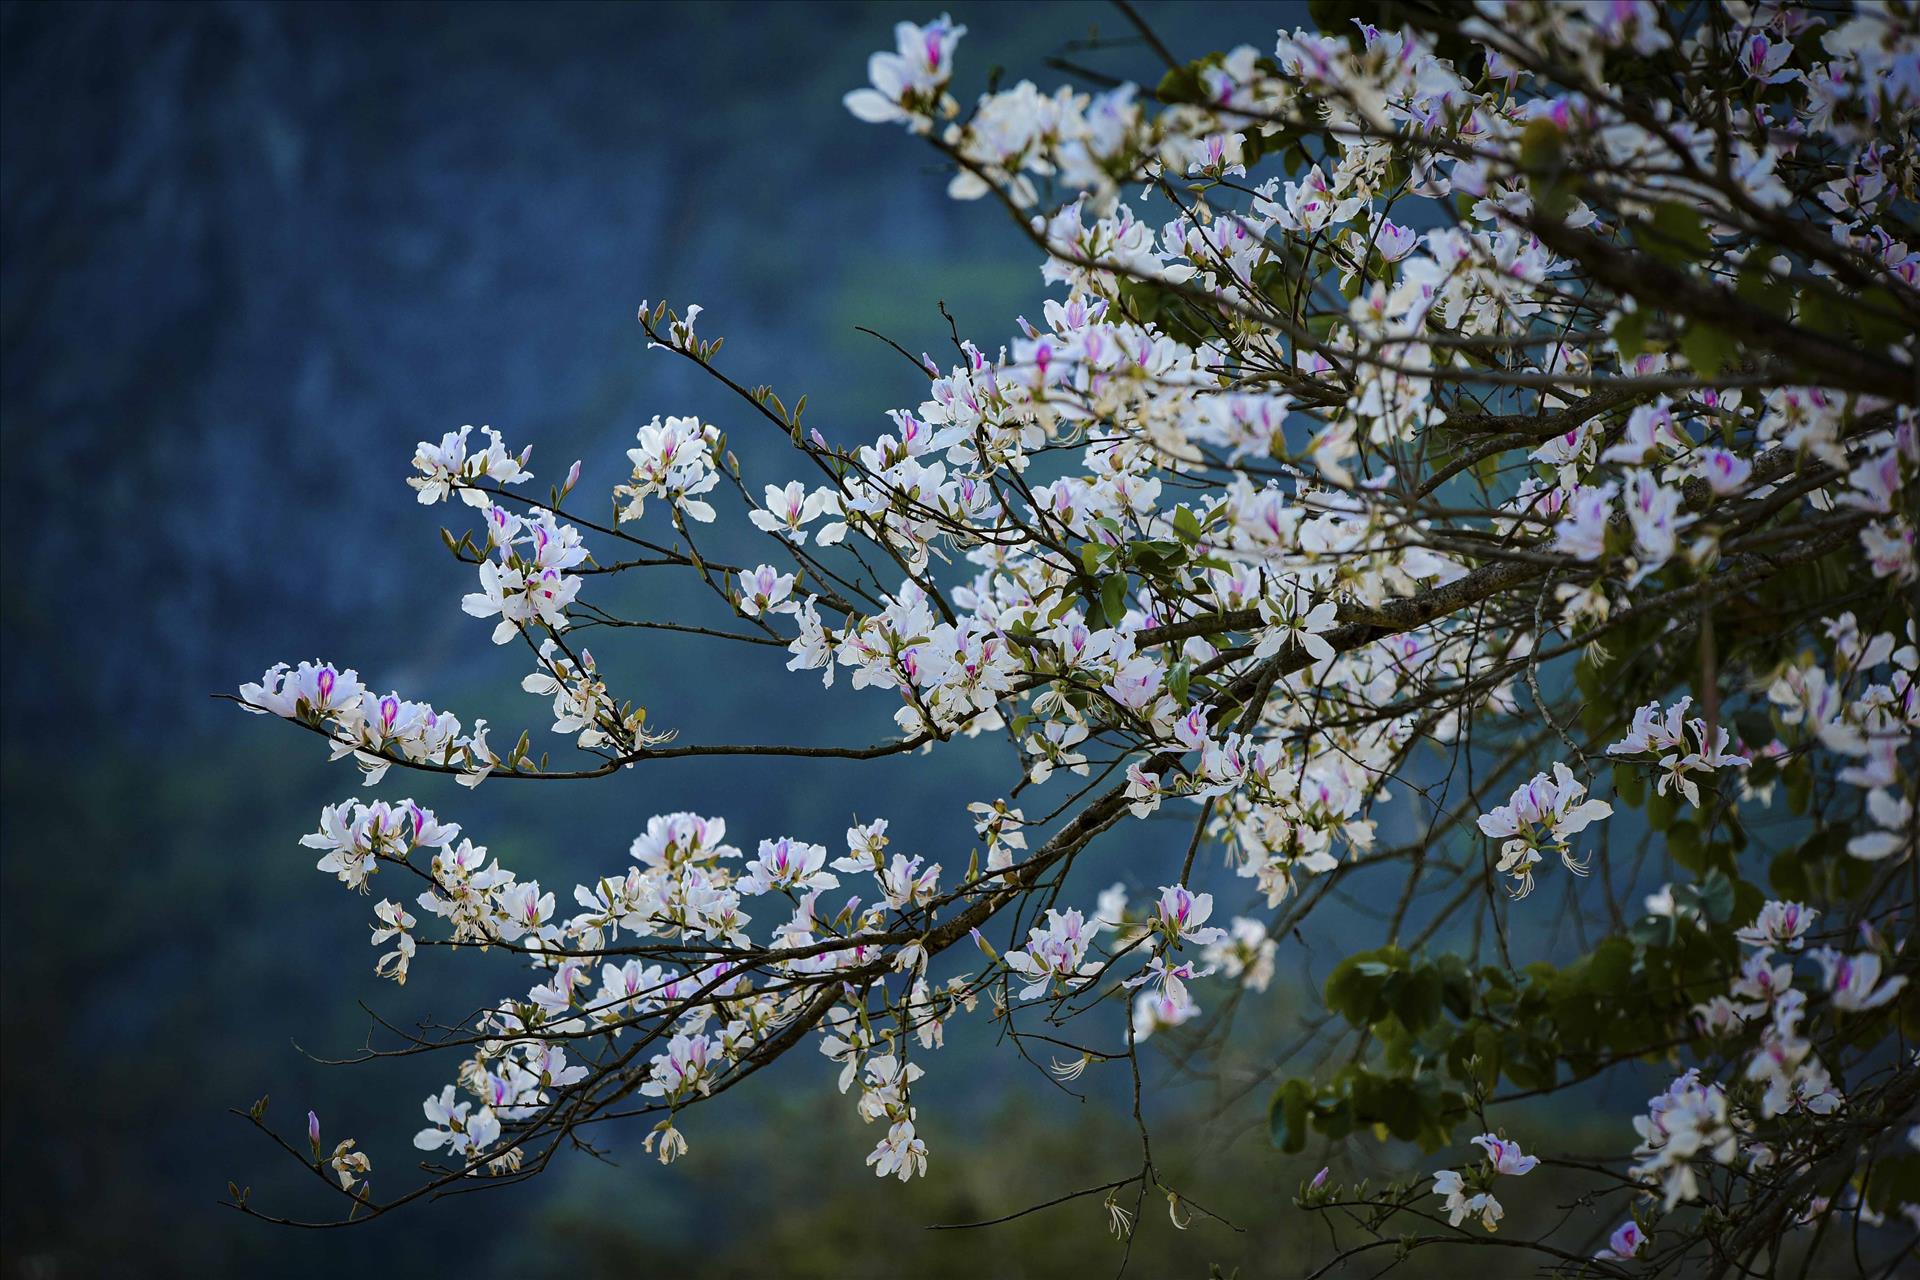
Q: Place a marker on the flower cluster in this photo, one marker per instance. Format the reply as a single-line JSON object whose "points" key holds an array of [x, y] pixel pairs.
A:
{"points": [[375, 731], [1783, 1079], [675, 462], [1545, 811], [529, 583], [1666, 736], [1471, 1195], [1385, 397], [1865, 720], [449, 467]]}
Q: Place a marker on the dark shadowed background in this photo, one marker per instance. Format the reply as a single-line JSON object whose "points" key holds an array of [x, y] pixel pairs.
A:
{"points": [[252, 253]]}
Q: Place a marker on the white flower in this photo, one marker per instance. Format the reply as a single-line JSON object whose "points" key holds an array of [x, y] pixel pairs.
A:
{"points": [[765, 590], [503, 593], [908, 882], [1894, 814], [685, 1068], [812, 649], [1651, 732], [450, 1126], [1653, 509], [1779, 924], [1247, 953], [447, 466], [867, 847], [900, 1153], [906, 82], [1460, 1206], [314, 689], [1627, 1241], [788, 864], [1854, 981], [1650, 428], [1582, 531], [674, 460], [523, 910], [673, 1143], [1725, 472], [1689, 1121], [1179, 916], [1542, 811], [1161, 1008], [787, 510], [1052, 748], [1296, 620], [395, 923], [1506, 1157], [348, 1165], [1055, 953]]}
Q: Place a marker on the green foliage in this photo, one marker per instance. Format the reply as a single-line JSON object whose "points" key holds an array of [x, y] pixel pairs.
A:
{"points": [[1708, 348], [1674, 234], [1630, 332], [1446, 1033], [1152, 303], [1819, 869], [1893, 1182]]}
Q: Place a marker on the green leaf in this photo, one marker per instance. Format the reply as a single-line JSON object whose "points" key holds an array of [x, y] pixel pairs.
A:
{"points": [[1894, 1181], [1610, 969], [1402, 1109], [1755, 727], [1870, 317], [1629, 786], [1416, 1002], [1683, 843], [1155, 555], [1287, 1116], [1456, 985], [1543, 147], [1487, 470], [1113, 597], [1353, 992], [1716, 896], [1529, 1064], [1181, 84], [1763, 289], [1543, 159], [1491, 1053], [1799, 778], [1630, 333], [1274, 282], [1178, 679], [1336, 1120], [1675, 235], [1661, 810], [1822, 312], [1708, 349]]}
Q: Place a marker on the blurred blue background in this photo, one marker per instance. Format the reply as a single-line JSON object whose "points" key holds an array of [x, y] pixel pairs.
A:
{"points": [[253, 253]]}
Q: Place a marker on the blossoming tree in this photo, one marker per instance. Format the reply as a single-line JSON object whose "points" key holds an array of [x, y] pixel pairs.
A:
{"points": [[1499, 430]]}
